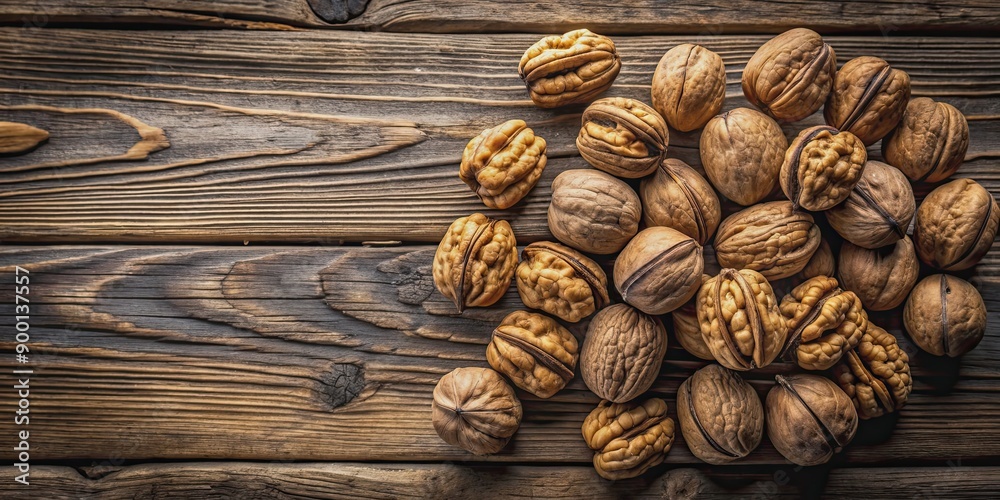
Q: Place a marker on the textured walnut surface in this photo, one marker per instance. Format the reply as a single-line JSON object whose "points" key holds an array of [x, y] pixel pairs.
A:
{"points": [[677, 196], [740, 320], [945, 315], [593, 211], [561, 281], [771, 238], [879, 209], [789, 77], [475, 261], [534, 351], [503, 163], [868, 98], [742, 151], [821, 167], [930, 142], [687, 328], [628, 438], [720, 415], [571, 68], [956, 224], [882, 278], [622, 137], [824, 322], [876, 374], [659, 270], [809, 418], [476, 410], [689, 86], [622, 352]]}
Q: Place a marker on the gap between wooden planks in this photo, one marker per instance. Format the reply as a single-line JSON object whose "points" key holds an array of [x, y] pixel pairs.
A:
{"points": [[285, 353]]}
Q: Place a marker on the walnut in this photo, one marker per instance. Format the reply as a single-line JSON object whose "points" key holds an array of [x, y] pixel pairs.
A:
{"points": [[876, 374], [19, 138], [677, 196], [824, 322], [593, 211], [571, 68], [622, 352], [868, 98], [822, 263], [789, 77], [533, 351], [689, 86], [742, 151], [878, 210], [622, 137], [740, 320], [930, 142], [474, 409], [770, 238], [561, 281], [956, 225], [659, 270], [687, 328], [881, 278], [475, 261], [628, 438], [809, 418], [945, 315], [821, 167], [503, 163], [721, 417]]}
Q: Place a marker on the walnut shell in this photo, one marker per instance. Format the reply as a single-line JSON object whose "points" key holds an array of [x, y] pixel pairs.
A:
{"points": [[689, 86], [881, 278], [740, 320], [721, 417], [503, 163], [474, 409], [956, 225], [475, 261], [878, 210], [945, 315], [628, 438], [571, 68], [930, 142], [533, 351], [622, 352], [659, 270], [868, 98], [622, 137], [809, 418], [822, 263], [677, 196], [824, 322], [561, 281], [593, 211], [742, 151], [789, 77], [821, 167], [687, 328], [770, 238], [876, 374]]}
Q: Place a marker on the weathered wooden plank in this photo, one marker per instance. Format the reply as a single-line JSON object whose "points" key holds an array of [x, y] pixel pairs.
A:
{"points": [[329, 136], [284, 353], [713, 17]]}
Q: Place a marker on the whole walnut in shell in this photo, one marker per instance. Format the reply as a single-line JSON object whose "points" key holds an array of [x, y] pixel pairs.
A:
{"points": [[571, 68], [878, 210], [822, 263], [689, 86], [720, 414], [687, 328], [740, 320], [824, 322], [945, 315], [659, 270], [475, 261], [677, 196], [930, 142], [628, 438], [809, 418], [561, 281], [876, 374], [956, 225], [771, 238], [593, 211], [821, 167], [868, 98], [789, 77], [474, 409], [622, 137], [622, 352], [881, 278], [534, 351], [742, 151], [503, 163]]}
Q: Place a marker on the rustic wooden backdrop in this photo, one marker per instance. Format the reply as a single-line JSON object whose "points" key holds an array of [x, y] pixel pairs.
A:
{"points": [[231, 226]]}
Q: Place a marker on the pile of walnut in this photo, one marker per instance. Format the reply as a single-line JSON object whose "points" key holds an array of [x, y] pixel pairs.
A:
{"points": [[734, 318]]}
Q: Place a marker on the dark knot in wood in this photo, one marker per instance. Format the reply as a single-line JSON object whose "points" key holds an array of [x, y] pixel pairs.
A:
{"points": [[338, 11], [341, 384]]}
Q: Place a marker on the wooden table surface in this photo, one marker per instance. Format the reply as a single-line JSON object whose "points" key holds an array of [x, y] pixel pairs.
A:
{"points": [[230, 232]]}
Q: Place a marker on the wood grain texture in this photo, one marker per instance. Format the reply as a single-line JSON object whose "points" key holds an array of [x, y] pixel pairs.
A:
{"points": [[419, 481], [329, 136], [712, 17], [285, 353]]}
